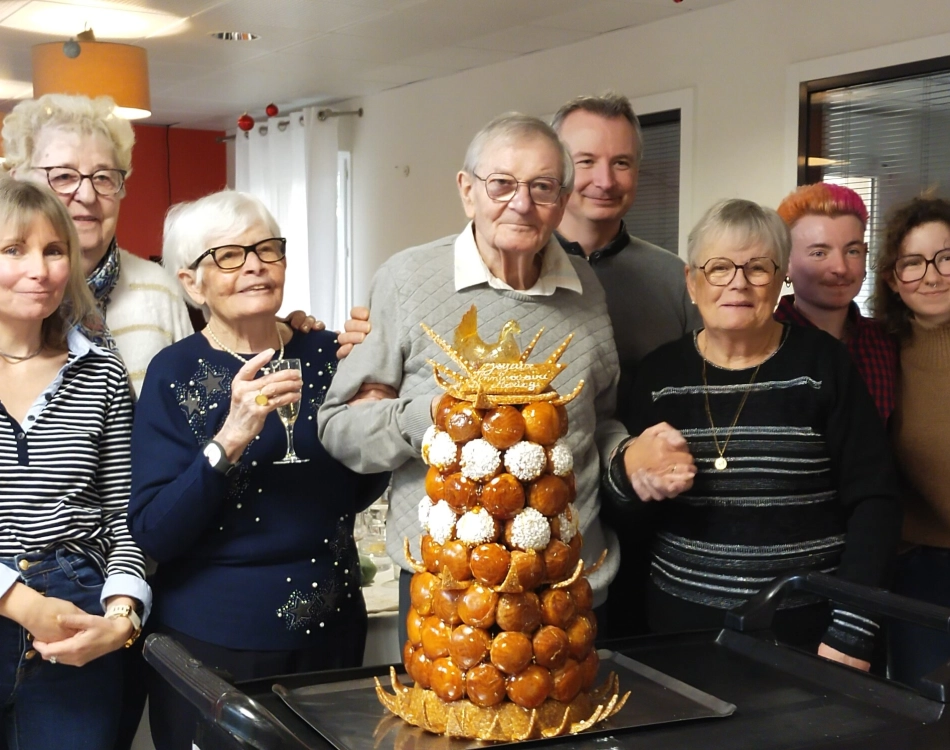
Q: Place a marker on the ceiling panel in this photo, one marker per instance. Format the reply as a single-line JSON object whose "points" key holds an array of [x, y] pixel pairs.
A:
{"points": [[318, 51], [607, 15], [524, 39]]}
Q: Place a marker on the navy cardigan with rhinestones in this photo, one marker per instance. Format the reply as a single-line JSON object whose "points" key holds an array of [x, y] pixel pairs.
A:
{"points": [[261, 559]]}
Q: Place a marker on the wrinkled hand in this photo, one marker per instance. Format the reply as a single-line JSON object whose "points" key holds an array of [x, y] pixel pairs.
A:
{"points": [[300, 321], [92, 637], [659, 463], [246, 417], [833, 654], [44, 621], [370, 392], [354, 331]]}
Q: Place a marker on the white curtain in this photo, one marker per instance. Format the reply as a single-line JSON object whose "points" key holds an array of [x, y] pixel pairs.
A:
{"points": [[292, 168]]}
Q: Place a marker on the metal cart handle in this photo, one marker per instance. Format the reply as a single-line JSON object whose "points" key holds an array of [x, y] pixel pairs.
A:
{"points": [[757, 613], [218, 701]]}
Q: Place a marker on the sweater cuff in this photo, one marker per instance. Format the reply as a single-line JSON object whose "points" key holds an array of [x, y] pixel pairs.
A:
{"points": [[851, 634], [126, 584], [615, 478]]}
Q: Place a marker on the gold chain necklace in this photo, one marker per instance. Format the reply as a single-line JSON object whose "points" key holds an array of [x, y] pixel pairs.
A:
{"points": [[721, 463], [15, 359], [216, 340]]}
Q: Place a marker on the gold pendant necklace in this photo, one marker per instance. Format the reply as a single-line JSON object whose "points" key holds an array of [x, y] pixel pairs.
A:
{"points": [[721, 463]]}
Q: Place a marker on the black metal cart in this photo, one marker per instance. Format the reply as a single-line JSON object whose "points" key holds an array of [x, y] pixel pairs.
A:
{"points": [[783, 698]]}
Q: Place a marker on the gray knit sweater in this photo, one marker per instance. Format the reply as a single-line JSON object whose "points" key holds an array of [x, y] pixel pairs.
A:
{"points": [[416, 286]]}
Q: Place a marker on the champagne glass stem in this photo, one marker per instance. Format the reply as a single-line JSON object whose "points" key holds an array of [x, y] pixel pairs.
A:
{"points": [[291, 453]]}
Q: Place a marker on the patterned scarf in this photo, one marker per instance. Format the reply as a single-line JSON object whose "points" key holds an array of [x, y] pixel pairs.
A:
{"points": [[101, 283]]}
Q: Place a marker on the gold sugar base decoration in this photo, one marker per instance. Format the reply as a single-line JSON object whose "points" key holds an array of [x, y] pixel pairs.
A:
{"points": [[505, 722], [496, 374]]}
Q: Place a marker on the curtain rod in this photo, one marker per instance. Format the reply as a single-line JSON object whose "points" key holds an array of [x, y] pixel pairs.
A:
{"points": [[323, 115]]}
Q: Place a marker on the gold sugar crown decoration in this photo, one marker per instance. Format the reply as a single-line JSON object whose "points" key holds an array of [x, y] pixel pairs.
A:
{"points": [[497, 373]]}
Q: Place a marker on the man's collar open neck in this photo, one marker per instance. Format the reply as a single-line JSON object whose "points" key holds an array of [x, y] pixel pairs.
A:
{"points": [[589, 236], [617, 242]]}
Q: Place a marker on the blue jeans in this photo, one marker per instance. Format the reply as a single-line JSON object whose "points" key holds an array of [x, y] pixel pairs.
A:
{"points": [[921, 573], [47, 705]]}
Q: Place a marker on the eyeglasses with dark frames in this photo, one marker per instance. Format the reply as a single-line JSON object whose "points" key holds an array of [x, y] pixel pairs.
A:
{"points": [[233, 257], [910, 268], [721, 271], [66, 180], [501, 188]]}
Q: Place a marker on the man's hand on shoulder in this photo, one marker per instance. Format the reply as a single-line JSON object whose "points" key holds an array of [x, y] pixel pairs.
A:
{"points": [[354, 332]]}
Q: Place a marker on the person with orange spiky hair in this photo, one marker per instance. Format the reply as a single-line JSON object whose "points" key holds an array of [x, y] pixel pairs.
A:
{"points": [[827, 267]]}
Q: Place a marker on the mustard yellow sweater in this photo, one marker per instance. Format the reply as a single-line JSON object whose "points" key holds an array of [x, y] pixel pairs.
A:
{"points": [[922, 435]]}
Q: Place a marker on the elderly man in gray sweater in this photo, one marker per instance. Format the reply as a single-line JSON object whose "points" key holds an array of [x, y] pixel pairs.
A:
{"points": [[514, 186]]}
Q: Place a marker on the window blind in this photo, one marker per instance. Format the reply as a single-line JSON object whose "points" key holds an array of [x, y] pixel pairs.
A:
{"points": [[654, 216]]}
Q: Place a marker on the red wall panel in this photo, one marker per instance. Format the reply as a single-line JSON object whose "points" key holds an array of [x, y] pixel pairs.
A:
{"points": [[169, 165]]}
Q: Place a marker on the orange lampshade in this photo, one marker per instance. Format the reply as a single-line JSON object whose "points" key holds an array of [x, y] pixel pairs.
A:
{"points": [[101, 69]]}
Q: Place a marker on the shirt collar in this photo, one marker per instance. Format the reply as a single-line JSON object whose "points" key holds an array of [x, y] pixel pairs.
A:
{"points": [[618, 243], [787, 311], [556, 269], [79, 346]]}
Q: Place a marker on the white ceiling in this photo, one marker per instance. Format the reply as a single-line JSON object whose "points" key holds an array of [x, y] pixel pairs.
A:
{"points": [[312, 51]]}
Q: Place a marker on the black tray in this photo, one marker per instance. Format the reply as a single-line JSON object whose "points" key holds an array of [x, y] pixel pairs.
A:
{"points": [[350, 716]]}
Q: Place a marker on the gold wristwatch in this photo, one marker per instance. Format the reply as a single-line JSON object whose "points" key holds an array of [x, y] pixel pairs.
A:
{"points": [[124, 610]]}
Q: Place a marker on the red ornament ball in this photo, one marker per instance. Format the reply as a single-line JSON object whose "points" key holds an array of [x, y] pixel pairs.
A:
{"points": [[271, 110], [245, 122]]}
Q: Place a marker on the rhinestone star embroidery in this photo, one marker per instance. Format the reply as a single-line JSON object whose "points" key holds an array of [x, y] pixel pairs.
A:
{"points": [[298, 611]]}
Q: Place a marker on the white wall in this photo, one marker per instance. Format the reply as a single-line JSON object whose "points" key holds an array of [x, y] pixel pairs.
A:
{"points": [[741, 60]]}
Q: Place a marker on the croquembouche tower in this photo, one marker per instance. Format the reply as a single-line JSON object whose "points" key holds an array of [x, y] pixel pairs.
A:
{"points": [[501, 632]]}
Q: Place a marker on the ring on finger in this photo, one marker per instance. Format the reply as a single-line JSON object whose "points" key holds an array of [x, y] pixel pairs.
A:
{"points": [[261, 398], [53, 660]]}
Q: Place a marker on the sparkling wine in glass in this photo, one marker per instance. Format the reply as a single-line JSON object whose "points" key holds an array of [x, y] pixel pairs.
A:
{"points": [[288, 414]]}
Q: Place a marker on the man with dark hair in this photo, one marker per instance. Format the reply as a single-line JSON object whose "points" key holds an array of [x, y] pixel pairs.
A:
{"points": [[645, 284]]}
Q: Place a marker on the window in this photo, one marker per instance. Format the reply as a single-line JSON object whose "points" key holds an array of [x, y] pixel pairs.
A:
{"points": [[884, 133], [654, 216]]}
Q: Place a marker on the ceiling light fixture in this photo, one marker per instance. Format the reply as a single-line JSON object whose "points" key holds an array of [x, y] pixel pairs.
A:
{"points": [[234, 36], [96, 69]]}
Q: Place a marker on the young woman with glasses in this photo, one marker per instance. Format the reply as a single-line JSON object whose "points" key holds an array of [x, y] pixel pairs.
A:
{"points": [[912, 296]]}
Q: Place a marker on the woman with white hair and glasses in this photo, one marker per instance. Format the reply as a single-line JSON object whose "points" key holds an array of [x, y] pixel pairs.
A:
{"points": [[759, 453], [258, 571]]}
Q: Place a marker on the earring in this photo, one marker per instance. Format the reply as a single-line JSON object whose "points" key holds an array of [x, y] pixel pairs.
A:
{"points": [[788, 283]]}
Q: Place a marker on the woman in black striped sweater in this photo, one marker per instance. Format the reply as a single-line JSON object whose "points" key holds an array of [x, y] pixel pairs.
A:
{"points": [[762, 445], [71, 578]]}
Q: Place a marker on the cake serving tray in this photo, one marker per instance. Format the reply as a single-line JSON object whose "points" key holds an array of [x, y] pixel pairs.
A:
{"points": [[350, 716]]}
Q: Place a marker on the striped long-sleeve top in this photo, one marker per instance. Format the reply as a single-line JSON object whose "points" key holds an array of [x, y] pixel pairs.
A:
{"points": [[65, 472], [809, 482]]}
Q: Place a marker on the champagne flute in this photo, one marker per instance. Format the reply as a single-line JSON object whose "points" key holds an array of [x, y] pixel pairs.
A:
{"points": [[288, 413]]}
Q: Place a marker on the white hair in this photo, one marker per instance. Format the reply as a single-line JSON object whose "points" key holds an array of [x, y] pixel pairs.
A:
{"points": [[191, 227], [514, 126]]}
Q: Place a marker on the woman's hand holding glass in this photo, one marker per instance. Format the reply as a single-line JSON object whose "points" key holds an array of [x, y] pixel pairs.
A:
{"points": [[252, 399], [659, 464]]}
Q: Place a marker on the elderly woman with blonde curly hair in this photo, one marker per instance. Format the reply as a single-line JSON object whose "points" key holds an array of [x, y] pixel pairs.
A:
{"points": [[83, 151]]}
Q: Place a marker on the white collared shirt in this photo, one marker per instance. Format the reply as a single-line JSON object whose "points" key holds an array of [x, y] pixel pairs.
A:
{"points": [[556, 268]]}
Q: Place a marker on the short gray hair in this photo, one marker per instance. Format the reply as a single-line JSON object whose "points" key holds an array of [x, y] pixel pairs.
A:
{"points": [[746, 223], [513, 126], [608, 105], [190, 228]]}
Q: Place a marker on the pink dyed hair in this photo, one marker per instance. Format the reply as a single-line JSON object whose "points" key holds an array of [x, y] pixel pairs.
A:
{"points": [[823, 199]]}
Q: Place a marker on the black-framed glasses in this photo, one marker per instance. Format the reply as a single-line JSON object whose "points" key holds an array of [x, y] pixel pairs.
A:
{"points": [[501, 188], [66, 180], [232, 257], [721, 271], [912, 268]]}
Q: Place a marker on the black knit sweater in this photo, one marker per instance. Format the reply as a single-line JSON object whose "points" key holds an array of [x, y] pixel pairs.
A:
{"points": [[810, 482]]}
